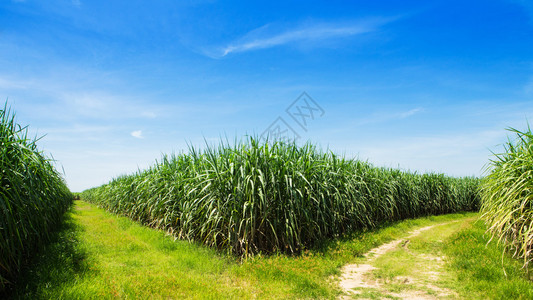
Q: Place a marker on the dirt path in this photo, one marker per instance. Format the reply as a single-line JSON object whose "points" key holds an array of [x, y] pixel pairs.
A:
{"points": [[357, 278]]}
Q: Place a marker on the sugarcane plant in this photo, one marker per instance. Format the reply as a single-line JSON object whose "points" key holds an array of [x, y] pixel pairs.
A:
{"points": [[33, 197], [507, 196], [254, 196]]}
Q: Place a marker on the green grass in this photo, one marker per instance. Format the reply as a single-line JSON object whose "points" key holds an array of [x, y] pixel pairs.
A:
{"points": [[417, 264], [33, 197], [98, 255], [254, 197], [507, 196], [482, 271], [104, 256]]}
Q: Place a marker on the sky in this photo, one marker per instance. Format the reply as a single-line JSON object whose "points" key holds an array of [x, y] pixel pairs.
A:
{"points": [[110, 86]]}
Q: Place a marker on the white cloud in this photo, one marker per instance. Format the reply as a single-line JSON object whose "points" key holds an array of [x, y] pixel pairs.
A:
{"points": [[383, 117], [316, 33], [67, 99], [267, 36], [137, 134], [411, 112]]}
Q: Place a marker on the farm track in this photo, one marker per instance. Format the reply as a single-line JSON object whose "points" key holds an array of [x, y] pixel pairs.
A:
{"points": [[357, 278]]}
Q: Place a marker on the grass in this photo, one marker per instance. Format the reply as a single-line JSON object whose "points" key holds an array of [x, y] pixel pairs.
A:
{"points": [[453, 260], [58, 264], [254, 197], [33, 197], [104, 256], [507, 195], [481, 270], [98, 255], [417, 265]]}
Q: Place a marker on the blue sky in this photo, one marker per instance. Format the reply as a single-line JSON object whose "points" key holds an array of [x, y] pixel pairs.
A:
{"points": [[420, 85]]}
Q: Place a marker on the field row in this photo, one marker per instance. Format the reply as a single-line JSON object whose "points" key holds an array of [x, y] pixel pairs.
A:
{"points": [[254, 197], [33, 197]]}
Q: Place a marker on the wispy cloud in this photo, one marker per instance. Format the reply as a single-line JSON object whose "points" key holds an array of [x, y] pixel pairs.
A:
{"points": [[409, 113], [271, 35], [137, 134], [66, 98], [388, 116]]}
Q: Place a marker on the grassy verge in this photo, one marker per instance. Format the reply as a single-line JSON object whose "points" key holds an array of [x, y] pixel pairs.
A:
{"points": [[98, 255], [482, 271], [101, 256], [104, 256], [60, 264]]}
